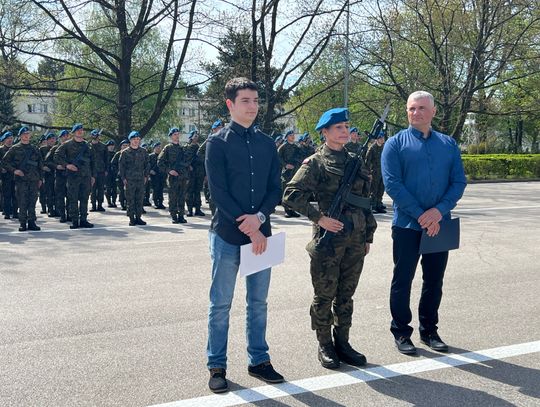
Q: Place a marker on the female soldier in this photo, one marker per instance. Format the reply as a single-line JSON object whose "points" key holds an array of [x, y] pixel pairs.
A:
{"points": [[334, 273]]}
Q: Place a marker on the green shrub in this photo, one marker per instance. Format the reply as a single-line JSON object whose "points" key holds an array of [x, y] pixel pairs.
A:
{"points": [[502, 166]]}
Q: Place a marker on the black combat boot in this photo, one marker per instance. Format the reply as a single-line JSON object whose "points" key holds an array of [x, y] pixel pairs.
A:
{"points": [[132, 221], [160, 206], [32, 225], [174, 218], [327, 356], [85, 224], [43, 209], [181, 219], [198, 212], [147, 203], [75, 224], [22, 228], [63, 218], [345, 351], [100, 207], [7, 216], [190, 211], [139, 221], [93, 207]]}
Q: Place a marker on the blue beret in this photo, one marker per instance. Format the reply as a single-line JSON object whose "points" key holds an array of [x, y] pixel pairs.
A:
{"points": [[289, 133], [353, 130], [63, 133], [192, 134], [110, 143], [217, 123], [2, 137], [144, 145], [42, 138], [6, 135], [173, 130], [133, 134], [304, 137], [22, 130], [95, 133], [76, 127], [333, 116], [50, 135], [156, 144], [278, 138], [124, 141]]}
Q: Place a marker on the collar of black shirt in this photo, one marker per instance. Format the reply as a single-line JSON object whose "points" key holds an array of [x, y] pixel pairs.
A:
{"points": [[241, 130]]}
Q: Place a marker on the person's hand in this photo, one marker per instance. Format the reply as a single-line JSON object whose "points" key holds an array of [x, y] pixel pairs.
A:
{"points": [[152, 172], [433, 230], [92, 181], [145, 180], [367, 247], [429, 217], [72, 167], [173, 173], [19, 173], [259, 242], [289, 166], [60, 167], [250, 224], [106, 173], [45, 168], [330, 224]]}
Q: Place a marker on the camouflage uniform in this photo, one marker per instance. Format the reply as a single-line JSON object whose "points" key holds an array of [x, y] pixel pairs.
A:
{"points": [[79, 183], [305, 151], [196, 179], [157, 180], [118, 180], [111, 180], [373, 162], [8, 187], [133, 168], [352, 147], [289, 153], [173, 157], [60, 183], [100, 157], [201, 156], [27, 158], [46, 192], [335, 277]]}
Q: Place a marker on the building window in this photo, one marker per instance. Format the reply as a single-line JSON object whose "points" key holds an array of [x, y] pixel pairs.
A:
{"points": [[30, 108]]}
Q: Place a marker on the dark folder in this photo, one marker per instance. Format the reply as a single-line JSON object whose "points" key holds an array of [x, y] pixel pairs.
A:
{"points": [[446, 239]]}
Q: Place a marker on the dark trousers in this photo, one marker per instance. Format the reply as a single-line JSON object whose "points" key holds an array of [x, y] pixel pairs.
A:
{"points": [[405, 251], [98, 189], [157, 182], [27, 194], [111, 187], [48, 185], [134, 197], [8, 194], [78, 191], [60, 191]]}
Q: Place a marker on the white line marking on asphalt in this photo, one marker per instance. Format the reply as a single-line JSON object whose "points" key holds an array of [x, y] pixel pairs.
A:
{"points": [[313, 384], [500, 208]]}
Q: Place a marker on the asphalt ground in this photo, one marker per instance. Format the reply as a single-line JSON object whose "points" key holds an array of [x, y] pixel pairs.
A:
{"points": [[117, 316]]}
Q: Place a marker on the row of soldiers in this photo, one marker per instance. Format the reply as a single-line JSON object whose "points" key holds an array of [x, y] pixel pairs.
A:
{"points": [[69, 173], [292, 154]]}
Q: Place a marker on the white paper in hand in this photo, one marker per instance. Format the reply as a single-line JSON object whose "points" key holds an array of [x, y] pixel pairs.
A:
{"points": [[274, 254]]}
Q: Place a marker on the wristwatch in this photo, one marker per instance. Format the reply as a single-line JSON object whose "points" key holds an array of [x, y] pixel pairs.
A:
{"points": [[261, 217]]}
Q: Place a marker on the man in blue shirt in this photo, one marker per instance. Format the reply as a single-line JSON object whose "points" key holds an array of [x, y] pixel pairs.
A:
{"points": [[243, 173], [423, 174]]}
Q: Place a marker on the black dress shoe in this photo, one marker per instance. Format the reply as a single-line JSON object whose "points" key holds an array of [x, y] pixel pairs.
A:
{"points": [[85, 224], [22, 228], [217, 382], [347, 354], [139, 221], [435, 342], [405, 346], [198, 212], [100, 208], [327, 356], [265, 371], [32, 226], [75, 225], [181, 219]]}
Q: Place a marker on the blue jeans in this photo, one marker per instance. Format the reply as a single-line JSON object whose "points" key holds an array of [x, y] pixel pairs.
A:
{"points": [[225, 262]]}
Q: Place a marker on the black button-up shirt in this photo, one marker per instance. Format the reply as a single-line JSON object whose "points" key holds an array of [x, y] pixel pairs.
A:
{"points": [[243, 172]]}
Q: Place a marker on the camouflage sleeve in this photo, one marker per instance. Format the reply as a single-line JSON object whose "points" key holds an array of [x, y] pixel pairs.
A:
{"points": [[7, 161], [40, 164], [146, 164], [162, 160], [299, 190], [122, 165], [60, 157], [371, 225]]}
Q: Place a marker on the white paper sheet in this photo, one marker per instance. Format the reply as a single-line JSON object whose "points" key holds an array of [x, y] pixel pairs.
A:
{"points": [[273, 255]]}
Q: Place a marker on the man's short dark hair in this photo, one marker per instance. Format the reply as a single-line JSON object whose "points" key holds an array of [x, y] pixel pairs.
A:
{"points": [[234, 85]]}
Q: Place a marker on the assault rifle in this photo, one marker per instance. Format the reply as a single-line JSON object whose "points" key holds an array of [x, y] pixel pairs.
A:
{"points": [[344, 195]]}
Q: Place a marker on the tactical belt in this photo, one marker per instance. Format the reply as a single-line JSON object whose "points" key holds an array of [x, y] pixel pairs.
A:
{"points": [[358, 201]]}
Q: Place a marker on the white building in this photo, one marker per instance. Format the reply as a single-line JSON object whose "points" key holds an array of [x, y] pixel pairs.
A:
{"points": [[35, 109]]}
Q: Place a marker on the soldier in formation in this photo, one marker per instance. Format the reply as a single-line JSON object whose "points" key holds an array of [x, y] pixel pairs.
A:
{"points": [[9, 199], [110, 183], [373, 162], [47, 187], [335, 271], [196, 176], [201, 156], [289, 156], [60, 178], [157, 178], [114, 168], [100, 157]]}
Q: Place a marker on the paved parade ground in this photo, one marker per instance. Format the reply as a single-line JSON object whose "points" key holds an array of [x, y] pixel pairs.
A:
{"points": [[116, 316]]}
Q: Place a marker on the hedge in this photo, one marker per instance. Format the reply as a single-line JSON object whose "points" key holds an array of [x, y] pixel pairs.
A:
{"points": [[501, 166]]}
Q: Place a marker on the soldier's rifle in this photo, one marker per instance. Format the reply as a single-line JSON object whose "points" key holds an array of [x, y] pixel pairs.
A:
{"points": [[344, 195]]}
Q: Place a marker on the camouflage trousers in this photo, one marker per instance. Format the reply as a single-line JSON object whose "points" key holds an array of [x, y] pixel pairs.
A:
{"points": [[78, 191], [60, 191], [8, 194], [121, 192], [111, 188], [48, 190], [134, 197], [27, 194], [177, 194], [157, 188], [377, 190], [98, 189], [334, 280], [194, 188]]}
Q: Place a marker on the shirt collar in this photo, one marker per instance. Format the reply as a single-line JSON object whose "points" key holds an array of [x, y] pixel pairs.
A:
{"points": [[418, 134], [241, 130]]}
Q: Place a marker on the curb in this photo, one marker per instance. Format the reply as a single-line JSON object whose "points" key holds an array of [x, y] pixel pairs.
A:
{"points": [[497, 181]]}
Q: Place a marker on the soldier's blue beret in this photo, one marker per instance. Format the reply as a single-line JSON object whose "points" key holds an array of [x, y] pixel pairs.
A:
{"points": [[42, 138], [110, 143], [22, 130], [333, 116], [63, 133], [50, 136], [2, 137], [133, 134], [95, 133], [380, 135], [6, 135], [289, 133], [192, 134], [173, 130], [353, 130], [124, 141], [77, 126], [144, 145], [304, 137], [156, 144], [216, 124], [278, 138]]}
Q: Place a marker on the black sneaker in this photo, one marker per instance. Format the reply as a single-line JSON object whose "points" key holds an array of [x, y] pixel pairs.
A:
{"points": [[217, 382], [435, 342], [266, 373], [405, 346]]}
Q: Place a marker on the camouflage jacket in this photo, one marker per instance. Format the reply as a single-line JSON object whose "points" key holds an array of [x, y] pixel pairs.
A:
{"points": [[44, 151], [24, 157], [100, 156], [77, 153], [152, 159], [133, 164], [173, 157], [305, 151], [191, 155], [289, 153], [373, 159], [320, 176]]}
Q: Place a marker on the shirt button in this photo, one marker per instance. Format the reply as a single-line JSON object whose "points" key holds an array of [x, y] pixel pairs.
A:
{"points": [[252, 190], [253, 207], [252, 173], [251, 157]]}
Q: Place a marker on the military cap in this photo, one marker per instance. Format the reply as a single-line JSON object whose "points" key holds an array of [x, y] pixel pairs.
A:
{"points": [[278, 138], [110, 143], [6, 135], [144, 145], [192, 134], [63, 133], [156, 144], [353, 130], [133, 134], [125, 141], [173, 130], [216, 124], [2, 137], [304, 137], [50, 135], [22, 130], [77, 126], [42, 138], [95, 133], [289, 133], [333, 116]]}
